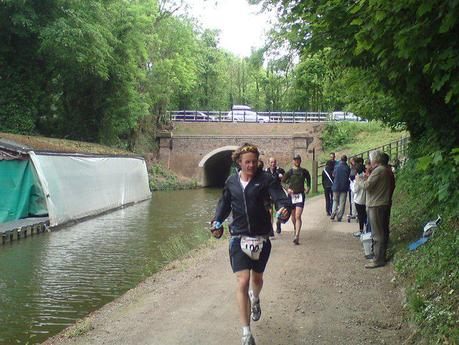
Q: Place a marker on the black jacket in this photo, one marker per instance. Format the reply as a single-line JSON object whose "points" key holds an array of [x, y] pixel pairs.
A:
{"points": [[250, 216], [326, 182], [276, 173]]}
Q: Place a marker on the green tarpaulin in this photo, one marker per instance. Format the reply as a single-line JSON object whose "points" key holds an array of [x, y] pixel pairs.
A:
{"points": [[20, 192]]}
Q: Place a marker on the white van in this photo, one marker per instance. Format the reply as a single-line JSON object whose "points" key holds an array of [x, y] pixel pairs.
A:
{"points": [[243, 113], [344, 116]]}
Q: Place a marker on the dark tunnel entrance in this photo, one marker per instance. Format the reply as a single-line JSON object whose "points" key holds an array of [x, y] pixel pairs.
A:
{"points": [[217, 168]]}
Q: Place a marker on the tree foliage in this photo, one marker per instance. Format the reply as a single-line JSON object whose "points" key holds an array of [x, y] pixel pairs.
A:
{"points": [[108, 71], [404, 55]]}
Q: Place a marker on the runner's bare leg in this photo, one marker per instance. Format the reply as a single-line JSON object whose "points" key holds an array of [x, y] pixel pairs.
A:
{"points": [[298, 222], [293, 218], [242, 296], [257, 283]]}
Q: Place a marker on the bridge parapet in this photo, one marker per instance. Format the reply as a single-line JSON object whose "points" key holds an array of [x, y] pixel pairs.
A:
{"points": [[207, 158]]}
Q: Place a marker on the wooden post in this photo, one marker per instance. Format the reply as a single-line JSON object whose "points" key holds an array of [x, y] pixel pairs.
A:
{"points": [[396, 150], [315, 174]]}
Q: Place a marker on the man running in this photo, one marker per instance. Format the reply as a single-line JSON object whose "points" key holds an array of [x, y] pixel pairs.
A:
{"points": [[249, 247], [295, 178], [277, 174]]}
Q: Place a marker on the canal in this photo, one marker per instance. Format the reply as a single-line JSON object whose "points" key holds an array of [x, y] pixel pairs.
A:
{"points": [[49, 281]]}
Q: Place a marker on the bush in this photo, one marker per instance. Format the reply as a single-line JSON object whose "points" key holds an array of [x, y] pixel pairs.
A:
{"points": [[163, 179], [426, 187], [338, 134]]}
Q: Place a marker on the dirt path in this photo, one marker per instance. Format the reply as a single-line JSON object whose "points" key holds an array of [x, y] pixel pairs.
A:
{"points": [[316, 293]]}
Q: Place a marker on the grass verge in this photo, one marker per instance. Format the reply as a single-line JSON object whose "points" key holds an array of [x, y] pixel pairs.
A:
{"points": [[80, 328], [164, 179], [430, 274], [355, 137]]}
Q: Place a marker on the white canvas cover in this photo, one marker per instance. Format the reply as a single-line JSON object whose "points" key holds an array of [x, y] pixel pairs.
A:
{"points": [[77, 186]]}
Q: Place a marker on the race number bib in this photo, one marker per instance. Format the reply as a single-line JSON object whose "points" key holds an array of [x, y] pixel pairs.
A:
{"points": [[297, 198], [252, 246]]}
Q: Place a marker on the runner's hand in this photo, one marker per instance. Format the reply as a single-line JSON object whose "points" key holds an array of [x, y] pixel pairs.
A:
{"points": [[289, 191], [307, 190], [216, 229], [283, 214]]}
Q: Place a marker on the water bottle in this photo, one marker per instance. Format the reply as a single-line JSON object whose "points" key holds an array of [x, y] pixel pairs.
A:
{"points": [[279, 215], [217, 229]]}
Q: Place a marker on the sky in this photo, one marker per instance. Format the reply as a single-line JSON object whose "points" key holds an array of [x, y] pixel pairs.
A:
{"points": [[241, 26]]}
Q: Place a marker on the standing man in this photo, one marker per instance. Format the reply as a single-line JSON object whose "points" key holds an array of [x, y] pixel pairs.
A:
{"points": [[327, 183], [333, 158], [340, 188], [379, 188], [295, 178], [244, 194], [385, 162], [277, 174], [352, 211]]}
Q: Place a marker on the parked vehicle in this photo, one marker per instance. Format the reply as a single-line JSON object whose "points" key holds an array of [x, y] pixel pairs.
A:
{"points": [[344, 116], [243, 113]]}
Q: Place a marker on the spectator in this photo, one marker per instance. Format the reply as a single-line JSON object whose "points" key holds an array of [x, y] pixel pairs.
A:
{"points": [[327, 182], [340, 188], [352, 212], [385, 163], [378, 194], [359, 198]]}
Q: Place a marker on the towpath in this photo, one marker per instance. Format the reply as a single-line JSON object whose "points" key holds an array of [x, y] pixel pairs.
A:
{"points": [[316, 293]]}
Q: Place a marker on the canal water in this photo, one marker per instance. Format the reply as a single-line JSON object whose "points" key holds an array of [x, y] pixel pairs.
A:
{"points": [[49, 281]]}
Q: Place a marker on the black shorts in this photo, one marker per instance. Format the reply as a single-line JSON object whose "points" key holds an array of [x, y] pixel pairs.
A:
{"points": [[298, 204], [240, 261]]}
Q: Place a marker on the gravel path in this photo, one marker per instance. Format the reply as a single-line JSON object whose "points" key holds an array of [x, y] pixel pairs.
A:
{"points": [[316, 293]]}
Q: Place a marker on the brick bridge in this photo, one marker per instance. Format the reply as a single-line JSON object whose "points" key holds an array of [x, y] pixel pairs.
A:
{"points": [[203, 150]]}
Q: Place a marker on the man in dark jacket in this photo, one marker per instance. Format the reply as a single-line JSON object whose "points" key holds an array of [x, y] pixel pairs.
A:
{"points": [[327, 182], [277, 173], [244, 194], [340, 188]]}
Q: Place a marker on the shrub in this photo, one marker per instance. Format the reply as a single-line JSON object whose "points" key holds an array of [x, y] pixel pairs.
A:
{"points": [[426, 187], [163, 179]]}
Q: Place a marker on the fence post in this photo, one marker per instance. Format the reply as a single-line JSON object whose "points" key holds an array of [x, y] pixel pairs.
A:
{"points": [[315, 173], [396, 150], [390, 151]]}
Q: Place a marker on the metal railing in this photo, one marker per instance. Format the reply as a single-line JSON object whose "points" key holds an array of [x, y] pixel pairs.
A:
{"points": [[260, 117], [395, 149], [251, 116]]}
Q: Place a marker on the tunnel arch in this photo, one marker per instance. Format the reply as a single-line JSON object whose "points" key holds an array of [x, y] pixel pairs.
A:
{"points": [[216, 166]]}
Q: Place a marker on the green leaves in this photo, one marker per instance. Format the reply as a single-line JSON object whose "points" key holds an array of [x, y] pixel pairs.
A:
{"points": [[409, 47], [446, 164]]}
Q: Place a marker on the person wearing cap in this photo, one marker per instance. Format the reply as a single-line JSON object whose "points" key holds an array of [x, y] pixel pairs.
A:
{"points": [[295, 178], [244, 195]]}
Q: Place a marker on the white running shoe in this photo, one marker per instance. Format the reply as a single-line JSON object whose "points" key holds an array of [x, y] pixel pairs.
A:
{"points": [[255, 309], [248, 339]]}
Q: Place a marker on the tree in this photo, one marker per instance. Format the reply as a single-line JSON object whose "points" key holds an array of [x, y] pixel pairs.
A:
{"points": [[409, 48]]}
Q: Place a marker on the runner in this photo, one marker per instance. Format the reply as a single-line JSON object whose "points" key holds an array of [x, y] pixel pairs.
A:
{"points": [[277, 173], [295, 178], [249, 247]]}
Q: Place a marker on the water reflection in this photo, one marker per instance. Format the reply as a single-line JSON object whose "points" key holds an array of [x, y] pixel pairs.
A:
{"points": [[50, 280]]}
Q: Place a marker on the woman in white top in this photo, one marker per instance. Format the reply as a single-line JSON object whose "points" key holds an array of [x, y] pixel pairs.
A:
{"points": [[359, 198]]}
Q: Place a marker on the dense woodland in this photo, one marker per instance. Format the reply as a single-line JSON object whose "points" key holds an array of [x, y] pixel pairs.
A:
{"points": [[108, 70]]}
